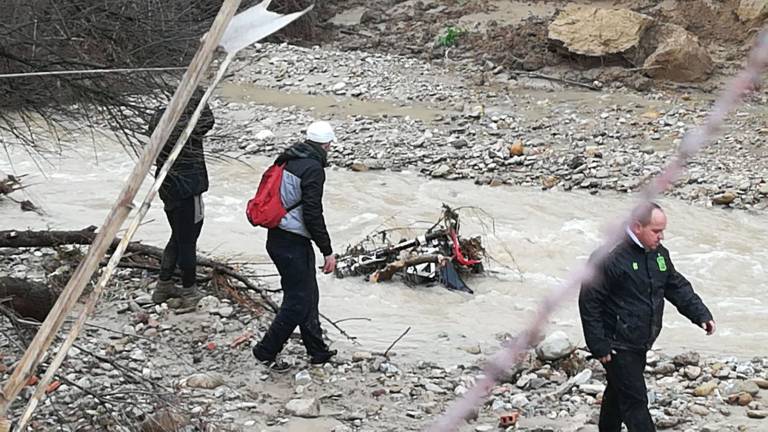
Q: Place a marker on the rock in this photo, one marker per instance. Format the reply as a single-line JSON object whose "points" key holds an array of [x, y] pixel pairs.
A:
{"points": [[741, 399], [358, 167], [752, 10], [484, 428], [519, 401], [664, 369], [361, 355], [762, 383], [699, 410], [737, 387], [349, 17], [516, 149], [302, 378], [144, 299], [678, 55], [687, 359], [204, 381], [667, 422], [705, 389], [757, 414], [309, 408], [593, 31], [138, 355], [692, 372], [208, 304], [225, 311], [592, 389], [441, 171], [263, 135], [554, 346], [473, 349], [724, 198]]}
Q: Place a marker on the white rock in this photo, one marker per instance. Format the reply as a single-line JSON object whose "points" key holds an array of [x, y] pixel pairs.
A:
{"points": [[303, 407], [303, 378], [554, 346], [209, 304], [263, 135]]}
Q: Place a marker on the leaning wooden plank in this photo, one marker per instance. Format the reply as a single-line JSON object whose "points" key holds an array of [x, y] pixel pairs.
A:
{"points": [[120, 211]]}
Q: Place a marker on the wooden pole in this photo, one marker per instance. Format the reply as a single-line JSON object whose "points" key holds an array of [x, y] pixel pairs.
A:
{"points": [[119, 212]]}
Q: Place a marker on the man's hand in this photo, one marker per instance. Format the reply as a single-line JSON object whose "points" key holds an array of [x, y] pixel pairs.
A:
{"points": [[606, 359], [709, 327], [330, 264]]}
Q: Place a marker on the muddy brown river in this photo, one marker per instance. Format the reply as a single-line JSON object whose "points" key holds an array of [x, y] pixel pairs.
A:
{"points": [[543, 234]]}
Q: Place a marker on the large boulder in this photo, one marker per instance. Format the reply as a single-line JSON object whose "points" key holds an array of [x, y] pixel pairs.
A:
{"points": [[555, 346], [752, 10], [678, 55], [593, 31]]}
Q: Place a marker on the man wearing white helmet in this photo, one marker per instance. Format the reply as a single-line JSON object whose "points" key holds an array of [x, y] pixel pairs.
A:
{"points": [[290, 248]]}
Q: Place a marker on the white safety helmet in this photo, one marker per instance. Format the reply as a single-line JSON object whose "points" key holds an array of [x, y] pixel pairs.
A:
{"points": [[321, 132]]}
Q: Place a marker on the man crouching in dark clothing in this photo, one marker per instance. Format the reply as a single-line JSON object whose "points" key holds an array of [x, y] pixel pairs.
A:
{"points": [[290, 248], [182, 196], [621, 312]]}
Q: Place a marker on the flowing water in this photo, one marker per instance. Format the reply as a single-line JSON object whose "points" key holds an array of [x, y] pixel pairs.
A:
{"points": [[543, 234]]}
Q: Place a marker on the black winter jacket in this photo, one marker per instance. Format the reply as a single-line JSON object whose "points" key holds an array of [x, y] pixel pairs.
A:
{"points": [[188, 176], [623, 308], [302, 191]]}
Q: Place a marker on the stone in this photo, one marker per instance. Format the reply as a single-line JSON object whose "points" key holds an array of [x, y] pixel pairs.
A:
{"points": [[705, 389], [358, 167], [361, 355], [678, 55], [204, 381], [687, 359], [737, 387], [349, 17], [302, 378], [517, 148], [762, 383], [519, 401], [208, 304], [473, 349], [263, 135], [699, 410], [752, 10], [308, 408], [164, 420], [664, 369], [592, 389], [594, 31], [692, 372], [555, 346], [484, 428], [441, 171], [225, 311], [757, 414]]}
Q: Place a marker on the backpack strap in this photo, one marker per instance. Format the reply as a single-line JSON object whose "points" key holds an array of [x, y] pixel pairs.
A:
{"points": [[291, 208]]}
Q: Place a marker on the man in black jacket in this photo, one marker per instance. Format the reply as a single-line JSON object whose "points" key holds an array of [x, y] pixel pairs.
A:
{"points": [[290, 248], [621, 314], [181, 193]]}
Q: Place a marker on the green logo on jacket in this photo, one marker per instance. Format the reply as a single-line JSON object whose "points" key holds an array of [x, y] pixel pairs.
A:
{"points": [[662, 263], [635, 266]]}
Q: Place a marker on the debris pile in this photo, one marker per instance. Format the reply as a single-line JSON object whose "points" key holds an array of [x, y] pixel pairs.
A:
{"points": [[439, 255]]}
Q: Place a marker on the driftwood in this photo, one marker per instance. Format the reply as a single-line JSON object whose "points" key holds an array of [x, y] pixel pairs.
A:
{"points": [[85, 236], [389, 271]]}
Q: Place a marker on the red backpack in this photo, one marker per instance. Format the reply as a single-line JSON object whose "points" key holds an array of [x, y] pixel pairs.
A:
{"points": [[266, 209]]}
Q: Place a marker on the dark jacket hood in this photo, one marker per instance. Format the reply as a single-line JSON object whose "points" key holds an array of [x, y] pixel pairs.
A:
{"points": [[304, 150]]}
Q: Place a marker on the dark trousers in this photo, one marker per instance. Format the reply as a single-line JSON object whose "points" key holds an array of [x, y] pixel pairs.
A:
{"points": [[181, 250], [295, 261], [625, 399]]}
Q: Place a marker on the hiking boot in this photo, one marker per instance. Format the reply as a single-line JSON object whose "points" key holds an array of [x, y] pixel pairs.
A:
{"points": [[269, 361], [164, 290], [189, 296], [322, 358]]}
